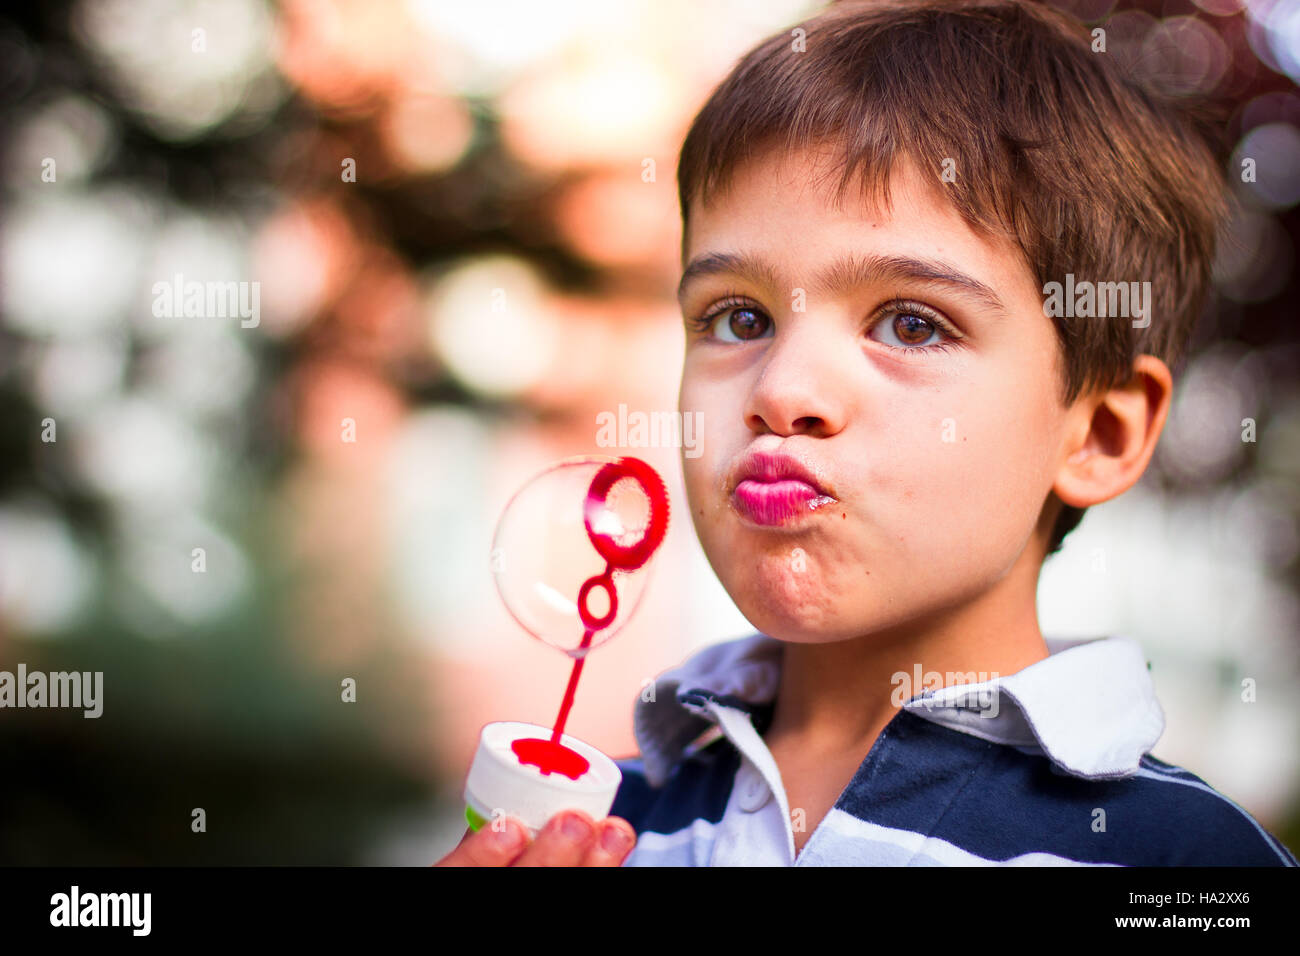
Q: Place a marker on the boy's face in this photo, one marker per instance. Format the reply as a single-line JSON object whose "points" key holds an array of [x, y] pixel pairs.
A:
{"points": [[938, 461]]}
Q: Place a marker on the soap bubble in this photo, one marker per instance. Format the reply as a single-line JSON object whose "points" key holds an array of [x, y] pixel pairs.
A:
{"points": [[571, 553]]}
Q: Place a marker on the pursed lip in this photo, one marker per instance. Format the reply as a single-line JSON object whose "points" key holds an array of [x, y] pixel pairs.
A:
{"points": [[772, 466], [770, 488]]}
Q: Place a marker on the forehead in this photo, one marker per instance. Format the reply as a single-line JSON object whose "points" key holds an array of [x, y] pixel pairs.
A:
{"points": [[783, 208]]}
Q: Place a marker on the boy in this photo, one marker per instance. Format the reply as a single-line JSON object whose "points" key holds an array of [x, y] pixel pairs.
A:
{"points": [[902, 420]]}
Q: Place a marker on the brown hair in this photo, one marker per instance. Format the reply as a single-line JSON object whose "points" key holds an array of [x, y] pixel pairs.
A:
{"points": [[1055, 146]]}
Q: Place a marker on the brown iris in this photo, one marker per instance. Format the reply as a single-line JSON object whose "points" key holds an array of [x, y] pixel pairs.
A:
{"points": [[746, 323], [909, 327]]}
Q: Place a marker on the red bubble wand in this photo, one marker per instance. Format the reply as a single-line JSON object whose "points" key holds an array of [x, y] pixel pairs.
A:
{"points": [[551, 755]]}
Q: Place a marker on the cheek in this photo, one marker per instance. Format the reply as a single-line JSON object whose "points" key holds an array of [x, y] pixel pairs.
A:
{"points": [[715, 413], [975, 479]]}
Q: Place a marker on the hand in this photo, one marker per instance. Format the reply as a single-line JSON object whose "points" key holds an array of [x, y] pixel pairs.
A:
{"points": [[510, 845]]}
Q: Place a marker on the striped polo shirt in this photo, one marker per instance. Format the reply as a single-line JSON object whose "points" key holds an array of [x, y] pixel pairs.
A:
{"points": [[1057, 772]]}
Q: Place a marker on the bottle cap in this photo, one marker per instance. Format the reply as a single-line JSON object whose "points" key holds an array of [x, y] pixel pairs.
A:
{"points": [[499, 784]]}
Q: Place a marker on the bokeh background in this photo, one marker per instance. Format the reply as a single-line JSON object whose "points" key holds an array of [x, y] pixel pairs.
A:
{"points": [[498, 271]]}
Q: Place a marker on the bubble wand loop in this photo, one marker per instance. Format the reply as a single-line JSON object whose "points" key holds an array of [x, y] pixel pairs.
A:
{"points": [[552, 755]]}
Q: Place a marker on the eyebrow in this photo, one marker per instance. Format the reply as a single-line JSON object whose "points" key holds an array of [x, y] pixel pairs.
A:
{"points": [[841, 275]]}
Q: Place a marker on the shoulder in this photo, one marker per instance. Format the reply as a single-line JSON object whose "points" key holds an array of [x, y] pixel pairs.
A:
{"points": [[1001, 802], [698, 789], [1162, 815], [1201, 826]]}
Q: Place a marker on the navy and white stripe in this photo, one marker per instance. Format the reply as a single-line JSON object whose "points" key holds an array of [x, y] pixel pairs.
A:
{"points": [[1060, 777]]}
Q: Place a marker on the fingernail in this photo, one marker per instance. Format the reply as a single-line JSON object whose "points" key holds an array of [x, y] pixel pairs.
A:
{"points": [[614, 840], [576, 828], [508, 839]]}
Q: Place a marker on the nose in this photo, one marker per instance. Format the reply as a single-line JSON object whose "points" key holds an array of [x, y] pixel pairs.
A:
{"points": [[799, 384]]}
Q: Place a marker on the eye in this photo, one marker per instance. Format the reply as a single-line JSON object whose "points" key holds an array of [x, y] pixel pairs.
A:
{"points": [[734, 321], [912, 327]]}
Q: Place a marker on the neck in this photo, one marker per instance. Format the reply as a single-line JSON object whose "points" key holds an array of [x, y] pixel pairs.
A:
{"points": [[837, 697]]}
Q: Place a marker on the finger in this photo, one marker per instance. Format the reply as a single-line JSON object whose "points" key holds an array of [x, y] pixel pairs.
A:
{"points": [[497, 844], [612, 844], [564, 841]]}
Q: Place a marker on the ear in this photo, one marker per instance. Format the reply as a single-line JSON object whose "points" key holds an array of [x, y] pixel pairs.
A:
{"points": [[1112, 435]]}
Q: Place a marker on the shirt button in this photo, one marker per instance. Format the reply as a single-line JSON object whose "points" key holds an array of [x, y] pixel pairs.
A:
{"points": [[754, 791]]}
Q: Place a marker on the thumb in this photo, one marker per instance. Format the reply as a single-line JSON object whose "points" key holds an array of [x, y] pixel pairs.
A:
{"points": [[495, 844]]}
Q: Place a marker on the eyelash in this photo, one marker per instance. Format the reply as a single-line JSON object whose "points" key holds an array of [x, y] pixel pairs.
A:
{"points": [[733, 300]]}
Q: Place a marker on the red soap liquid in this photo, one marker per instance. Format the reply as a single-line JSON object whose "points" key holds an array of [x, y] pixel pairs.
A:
{"points": [[551, 756]]}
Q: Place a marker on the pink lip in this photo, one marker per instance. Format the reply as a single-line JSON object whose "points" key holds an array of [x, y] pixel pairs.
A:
{"points": [[772, 502], [772, 489]]}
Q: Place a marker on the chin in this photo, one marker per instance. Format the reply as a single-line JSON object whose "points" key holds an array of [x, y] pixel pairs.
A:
{"points": [[788, 605], [798, 630]]}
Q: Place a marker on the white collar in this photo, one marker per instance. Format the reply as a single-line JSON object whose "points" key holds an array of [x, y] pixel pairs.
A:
{"points": [[1090, 706]]}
